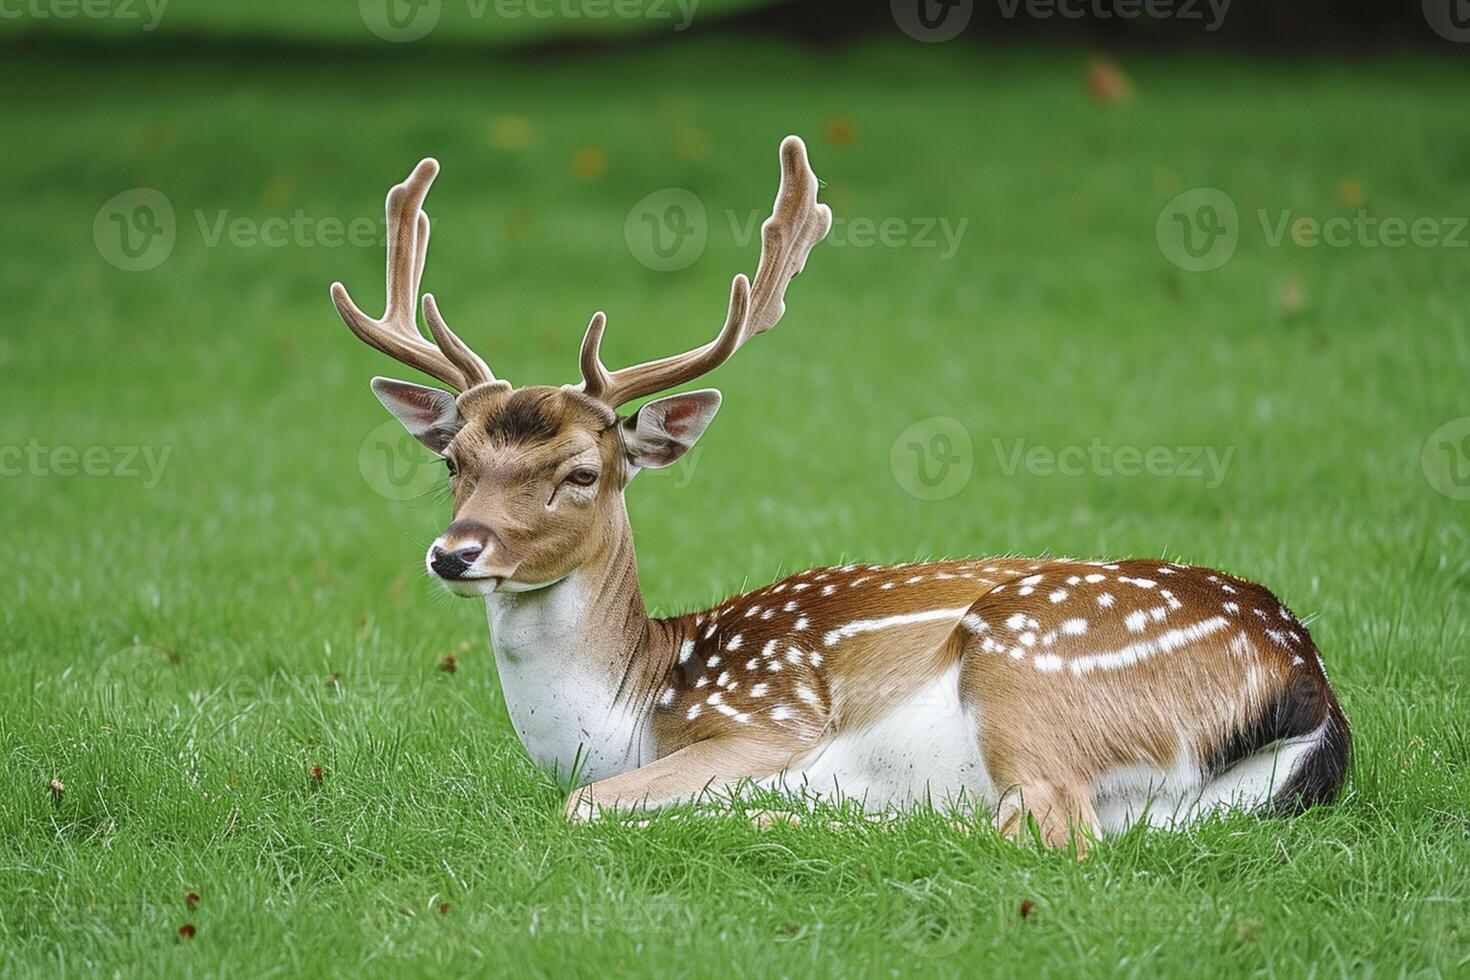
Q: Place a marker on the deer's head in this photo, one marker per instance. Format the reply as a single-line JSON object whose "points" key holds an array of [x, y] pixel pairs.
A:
{"points": [[538, 472]]}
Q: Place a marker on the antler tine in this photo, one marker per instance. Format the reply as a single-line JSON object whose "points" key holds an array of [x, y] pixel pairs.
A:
{"points": [[797, 223], [396, 332], [469, 364]]}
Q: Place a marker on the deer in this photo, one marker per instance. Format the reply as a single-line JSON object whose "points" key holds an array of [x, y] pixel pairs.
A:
{"points": [[1056, 697]]}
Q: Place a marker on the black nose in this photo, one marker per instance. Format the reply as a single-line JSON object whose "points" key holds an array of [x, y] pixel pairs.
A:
{"points": [[452, 564]]}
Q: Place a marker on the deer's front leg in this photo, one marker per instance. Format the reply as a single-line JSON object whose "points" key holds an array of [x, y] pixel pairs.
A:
{"points": [[714, 764]]}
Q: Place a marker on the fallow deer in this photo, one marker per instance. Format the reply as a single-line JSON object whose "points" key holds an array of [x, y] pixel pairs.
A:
{"points": [[1089, 695]]}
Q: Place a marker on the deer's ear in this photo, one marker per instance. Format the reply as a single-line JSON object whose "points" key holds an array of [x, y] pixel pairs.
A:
{"points": [[431, 415], [666, 428]]}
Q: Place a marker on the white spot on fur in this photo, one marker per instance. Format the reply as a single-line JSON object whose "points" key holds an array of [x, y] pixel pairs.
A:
{"points": [[1144, 649], [1105, 600], [1075, 627], [887, 622]]}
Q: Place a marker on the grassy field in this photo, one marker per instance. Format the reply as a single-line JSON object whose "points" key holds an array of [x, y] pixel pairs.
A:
{"points": [[232, 668]]}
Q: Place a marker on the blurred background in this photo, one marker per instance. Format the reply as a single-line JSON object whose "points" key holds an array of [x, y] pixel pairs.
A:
{"points": [[1165, 277]]}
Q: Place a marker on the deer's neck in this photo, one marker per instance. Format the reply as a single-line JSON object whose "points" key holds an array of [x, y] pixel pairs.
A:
{"points": [[580, 664]]}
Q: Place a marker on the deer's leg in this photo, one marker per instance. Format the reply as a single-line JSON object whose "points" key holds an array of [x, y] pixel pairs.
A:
{"points": [[1062, 809], [715, 764]]}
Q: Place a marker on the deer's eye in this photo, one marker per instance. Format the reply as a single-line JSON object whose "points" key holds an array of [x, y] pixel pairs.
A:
{"points": [[582, 477]]}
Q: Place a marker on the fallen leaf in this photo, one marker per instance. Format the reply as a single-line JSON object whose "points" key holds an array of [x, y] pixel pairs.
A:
{"points": [[187, 931], [192, 900], [1292, 299], [589, 162], [511, 133], [1106, 82], [692, 143], [1026, 908], [841, 131], [448, 663]]}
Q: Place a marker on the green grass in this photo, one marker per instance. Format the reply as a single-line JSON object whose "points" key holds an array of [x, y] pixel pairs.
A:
{"points": [[442, 23], [165, 650]]}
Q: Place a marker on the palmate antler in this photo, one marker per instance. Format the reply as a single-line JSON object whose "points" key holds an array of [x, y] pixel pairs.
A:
{"points": [[396, 332], [797, 223]]}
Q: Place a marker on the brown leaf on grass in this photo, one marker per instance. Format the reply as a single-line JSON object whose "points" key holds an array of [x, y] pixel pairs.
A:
{"points": [[1106, 82], [332, 679], [692, 143], [278, 192], [156, 136], [448, 663], [511, 133], [187, 931], [191, 899], [316, 773], [1026, 908], [1292, 299], [443, 908], [589, 162], [841, 131]]}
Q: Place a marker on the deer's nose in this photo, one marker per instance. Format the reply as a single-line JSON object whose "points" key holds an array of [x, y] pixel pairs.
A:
{"points": [[453, 564], [461, 545]]}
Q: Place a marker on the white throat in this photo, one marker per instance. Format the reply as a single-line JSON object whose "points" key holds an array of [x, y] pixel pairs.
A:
{"points": [[559, 673]]}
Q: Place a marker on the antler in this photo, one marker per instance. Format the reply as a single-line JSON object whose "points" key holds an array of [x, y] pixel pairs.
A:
{"points": [[396, 332], [797, 223]]}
